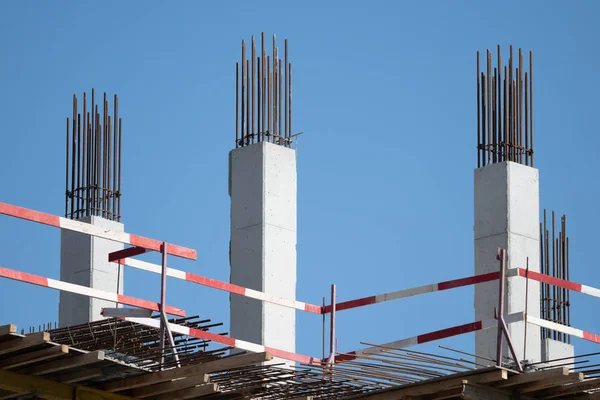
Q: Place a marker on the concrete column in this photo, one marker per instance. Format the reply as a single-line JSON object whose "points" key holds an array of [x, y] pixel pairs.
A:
{"points": [[262, 187], [84, 261], [555, 350], [507, 216]]}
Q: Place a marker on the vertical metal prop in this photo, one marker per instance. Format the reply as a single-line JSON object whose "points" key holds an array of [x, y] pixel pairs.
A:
{"points": [[165, 331], [93, 161], [264, 100], [504, 116], [555, 304], [502, 328], [332, 327]]}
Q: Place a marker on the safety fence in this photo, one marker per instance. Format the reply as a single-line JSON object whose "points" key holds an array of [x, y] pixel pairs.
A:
{"points": [[141, 245]]}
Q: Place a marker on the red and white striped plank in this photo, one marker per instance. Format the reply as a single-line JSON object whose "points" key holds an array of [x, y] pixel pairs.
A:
{"points": [[227, 341], [89, 229], [592, 337], [86, 291], [220, 285], [431, 336], [400, 294], [577, 287]]}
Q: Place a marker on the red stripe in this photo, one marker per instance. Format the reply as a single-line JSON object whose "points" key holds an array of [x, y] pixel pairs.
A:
{"points": [[29, 215], [148, 305], [449, 332], [346, 357], [122, 254], [365, 301], [23, 277], [200, 334], [313, 309], [551, 280], [472, 280], [228, 287], [286, 355], [591, 337], [153, 244]]}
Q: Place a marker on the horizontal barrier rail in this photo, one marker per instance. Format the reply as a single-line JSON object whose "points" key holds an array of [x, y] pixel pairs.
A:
{"points": [[227, 341], [592, 337], [400, 294], [432, 336], [220, 285], [86, 291], [89, 229], [577, 287]]}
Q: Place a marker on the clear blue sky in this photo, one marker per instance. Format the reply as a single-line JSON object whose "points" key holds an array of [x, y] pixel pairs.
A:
{"points": [[385, 93]]}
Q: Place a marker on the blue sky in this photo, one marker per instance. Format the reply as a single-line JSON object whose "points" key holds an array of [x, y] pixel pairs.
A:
{"points": [[385, 93]]}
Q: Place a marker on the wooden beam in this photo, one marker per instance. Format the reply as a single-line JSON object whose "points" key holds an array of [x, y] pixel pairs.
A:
{"points": [[64, 364], [192, 370], [190, 393], [46, 389], [478, 392], [79, 375], [534, 377], [34, 356], [20, 343], [161, 388], [549, 383], [7, 329], [588, 396], [574, 388], [440, 384]]}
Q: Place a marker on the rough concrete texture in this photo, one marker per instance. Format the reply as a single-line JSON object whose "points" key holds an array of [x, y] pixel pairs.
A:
{"points": [[507, 216], [555, 350], [84, 261], [262, 186]]}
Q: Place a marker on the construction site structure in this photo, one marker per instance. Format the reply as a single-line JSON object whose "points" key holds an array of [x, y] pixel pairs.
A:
{"points": [[113, 346]]}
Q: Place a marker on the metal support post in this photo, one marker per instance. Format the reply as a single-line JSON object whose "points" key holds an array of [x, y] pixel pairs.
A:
{"points": [[165, 332], [332, 328], [502, 327]]}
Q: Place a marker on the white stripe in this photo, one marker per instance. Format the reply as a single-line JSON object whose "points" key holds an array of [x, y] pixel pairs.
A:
{"points": [[175, 273], [590, 291], [555, 327], [86, 291], [255, 294], [398, 344], [157, 269], [93, 230], [242, 344], [155, 323], [400, 294]]}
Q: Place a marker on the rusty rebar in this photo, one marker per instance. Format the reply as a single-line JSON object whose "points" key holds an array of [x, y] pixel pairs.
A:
{"points": [[93, 154], [554, 261], [504, 110], [263, 96]]}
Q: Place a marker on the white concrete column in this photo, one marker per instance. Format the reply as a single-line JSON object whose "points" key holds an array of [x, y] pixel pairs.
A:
{"points": [[84, 261], [262, 187], [507, 216]]}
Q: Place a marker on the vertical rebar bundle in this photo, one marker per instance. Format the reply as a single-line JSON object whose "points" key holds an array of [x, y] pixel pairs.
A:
{"points": [[262, 83], [554, 261], [93, 161], [504, 111]]}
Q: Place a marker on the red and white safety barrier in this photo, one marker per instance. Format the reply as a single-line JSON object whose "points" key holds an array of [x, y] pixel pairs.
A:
{"points": [[400, 294], [89, 229], [577, 287], [220, 285], [227, 341], [592, 337], [86, 291], [432, 336]]}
